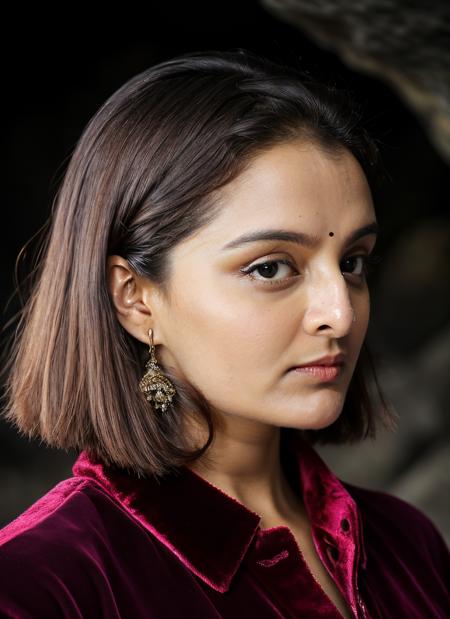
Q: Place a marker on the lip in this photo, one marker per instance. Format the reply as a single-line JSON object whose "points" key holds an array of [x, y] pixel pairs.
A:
{"points": [[319, 372], [326, 361]]}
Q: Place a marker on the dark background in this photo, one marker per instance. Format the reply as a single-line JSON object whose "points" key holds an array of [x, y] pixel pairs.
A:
{"points": [[59, 70]]}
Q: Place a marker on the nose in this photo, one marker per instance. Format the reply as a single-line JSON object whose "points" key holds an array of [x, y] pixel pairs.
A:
{"points": [[329, 308]]}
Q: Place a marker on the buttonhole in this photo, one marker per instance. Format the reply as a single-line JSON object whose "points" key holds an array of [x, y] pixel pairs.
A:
{"points": [[275, 560], [333, 552]]}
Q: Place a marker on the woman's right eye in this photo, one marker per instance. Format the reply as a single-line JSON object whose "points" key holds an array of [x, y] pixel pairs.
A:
{"points": [[267, 268]]}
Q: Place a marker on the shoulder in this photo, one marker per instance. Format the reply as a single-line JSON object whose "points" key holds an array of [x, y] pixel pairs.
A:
{"points": [[386, 507], [388, 517], [54, 555], [47, 506], [72, 508]]}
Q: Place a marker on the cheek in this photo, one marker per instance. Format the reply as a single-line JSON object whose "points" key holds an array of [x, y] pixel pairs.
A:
{"points": [[361, 306], [362, 312], [226, 334]]}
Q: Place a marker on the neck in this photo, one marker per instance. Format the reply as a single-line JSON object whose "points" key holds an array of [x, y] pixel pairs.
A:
{"points": [[244, 461]]}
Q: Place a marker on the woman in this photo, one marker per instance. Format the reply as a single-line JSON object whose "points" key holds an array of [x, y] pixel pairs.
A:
{"points": [[217, 214]]}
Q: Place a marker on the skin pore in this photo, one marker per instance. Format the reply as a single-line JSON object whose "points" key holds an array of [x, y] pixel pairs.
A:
{"points": [[235, 336]]}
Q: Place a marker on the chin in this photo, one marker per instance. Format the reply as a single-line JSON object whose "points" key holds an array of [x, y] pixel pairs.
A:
{"points": [[313, 420], [323, 423], [314, 413]]}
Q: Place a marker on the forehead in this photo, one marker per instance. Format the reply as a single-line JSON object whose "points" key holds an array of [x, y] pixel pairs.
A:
{"points": [[297, 185], [300, 172]]}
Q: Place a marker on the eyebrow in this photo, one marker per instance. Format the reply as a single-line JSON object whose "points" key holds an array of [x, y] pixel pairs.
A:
{"points": [[301, 238]]}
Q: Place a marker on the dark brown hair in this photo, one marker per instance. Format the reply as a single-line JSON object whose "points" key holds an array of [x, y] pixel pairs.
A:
{"points": [[143, 177]]}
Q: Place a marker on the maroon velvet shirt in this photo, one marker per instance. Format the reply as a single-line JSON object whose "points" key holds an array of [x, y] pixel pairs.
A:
{"points": [[104, 543]]}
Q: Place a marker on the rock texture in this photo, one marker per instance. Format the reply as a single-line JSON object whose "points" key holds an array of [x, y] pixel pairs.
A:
{"points": [[406, 44]]}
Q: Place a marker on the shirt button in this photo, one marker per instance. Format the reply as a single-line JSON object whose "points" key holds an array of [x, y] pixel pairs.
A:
{"points": [[345, 525]]}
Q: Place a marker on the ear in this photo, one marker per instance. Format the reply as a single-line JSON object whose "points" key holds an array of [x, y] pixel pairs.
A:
{"points": [[132, 298]]}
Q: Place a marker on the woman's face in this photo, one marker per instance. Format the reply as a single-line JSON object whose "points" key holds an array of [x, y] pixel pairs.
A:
{"points": [[236, 336]]}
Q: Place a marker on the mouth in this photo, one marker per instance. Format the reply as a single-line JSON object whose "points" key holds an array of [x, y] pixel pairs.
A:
{"points": [[326, 361], [325, 368], [319, 372]]}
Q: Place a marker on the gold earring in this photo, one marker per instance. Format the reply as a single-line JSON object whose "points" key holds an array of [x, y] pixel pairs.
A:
{"points": [[156, 387]]}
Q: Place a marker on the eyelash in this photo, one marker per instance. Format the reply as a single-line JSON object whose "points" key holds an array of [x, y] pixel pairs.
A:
{"points": [[369, 262]]}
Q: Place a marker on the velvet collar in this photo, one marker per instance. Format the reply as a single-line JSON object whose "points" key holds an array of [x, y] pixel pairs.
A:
{"points": [[210, 531]]}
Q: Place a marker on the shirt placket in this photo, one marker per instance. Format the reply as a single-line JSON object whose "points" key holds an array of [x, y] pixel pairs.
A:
{"points": [[277, 562], [343, 554]]}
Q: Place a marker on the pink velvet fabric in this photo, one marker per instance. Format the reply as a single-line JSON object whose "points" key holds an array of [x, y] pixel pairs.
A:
{"points": [[105, 543]]}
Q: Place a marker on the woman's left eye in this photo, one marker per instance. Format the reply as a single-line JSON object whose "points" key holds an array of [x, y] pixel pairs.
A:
{"points": [[366, 265], [360, 266]]}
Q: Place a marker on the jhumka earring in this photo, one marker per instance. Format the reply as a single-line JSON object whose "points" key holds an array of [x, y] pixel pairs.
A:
{"points": [[156, 387]]}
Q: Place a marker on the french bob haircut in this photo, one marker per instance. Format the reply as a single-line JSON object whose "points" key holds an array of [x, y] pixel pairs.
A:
{"points": [[142, 177]]}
